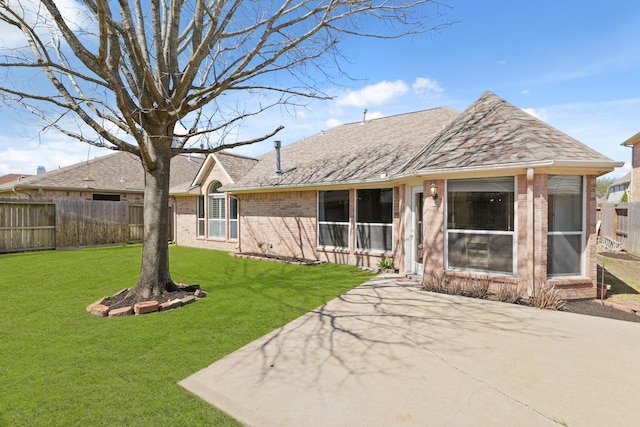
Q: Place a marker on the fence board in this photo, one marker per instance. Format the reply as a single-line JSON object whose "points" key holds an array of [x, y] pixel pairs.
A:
{"points": [[621, 222], [27, 226]]}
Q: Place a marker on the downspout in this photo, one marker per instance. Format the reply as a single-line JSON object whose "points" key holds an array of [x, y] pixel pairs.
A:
{"points": [[15, 190], [531, 266]]}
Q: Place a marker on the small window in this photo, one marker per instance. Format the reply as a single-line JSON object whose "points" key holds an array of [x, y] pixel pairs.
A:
{"points": [[201, 220], [107, 197], [333, 218], [233, 218], [216, 212]]}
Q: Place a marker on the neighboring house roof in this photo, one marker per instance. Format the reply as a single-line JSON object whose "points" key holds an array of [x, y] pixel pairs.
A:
{"points": [[491, 134], [355, 152], [117, 172], [11, 177], [632, 141]]}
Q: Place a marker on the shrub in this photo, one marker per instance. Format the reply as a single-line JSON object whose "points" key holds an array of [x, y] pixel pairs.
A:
{"points": [[547, 296], [508, 293]]}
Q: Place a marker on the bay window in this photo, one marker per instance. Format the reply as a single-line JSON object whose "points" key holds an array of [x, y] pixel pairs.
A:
{"points": [[481, 224]]}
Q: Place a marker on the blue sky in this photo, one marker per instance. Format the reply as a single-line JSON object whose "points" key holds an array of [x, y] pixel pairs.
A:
{"points": [[574, 65]]}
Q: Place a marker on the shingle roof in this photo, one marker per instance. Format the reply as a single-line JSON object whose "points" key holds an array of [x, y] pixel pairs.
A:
{"points": [[236, 166], [493, 132], [355, 152], [119, 171]]}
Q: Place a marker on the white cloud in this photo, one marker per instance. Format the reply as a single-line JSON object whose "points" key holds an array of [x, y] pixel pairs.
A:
{"points": [[333, 122], [538, 113], [525, 92], [376, 94], [425, 84]]}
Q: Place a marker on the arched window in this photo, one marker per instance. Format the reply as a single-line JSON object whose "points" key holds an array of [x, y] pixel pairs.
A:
{"points": [[216, 211]]}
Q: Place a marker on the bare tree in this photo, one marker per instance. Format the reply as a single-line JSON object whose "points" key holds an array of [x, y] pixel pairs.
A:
{"points": [[128, 72]]}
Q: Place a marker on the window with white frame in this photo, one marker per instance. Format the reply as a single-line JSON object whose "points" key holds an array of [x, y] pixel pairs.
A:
{"points": [[480, 224], [333, 218], [201, 217], [374, 219], [216, 212], [566, 230], [233, 218]]}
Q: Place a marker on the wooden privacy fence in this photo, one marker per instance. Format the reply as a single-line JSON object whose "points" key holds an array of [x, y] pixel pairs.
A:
{"points": [[621, 222], [26, 226]]}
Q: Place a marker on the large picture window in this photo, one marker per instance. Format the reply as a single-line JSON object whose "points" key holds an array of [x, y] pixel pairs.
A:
{"points": [[564, 246], [216, 212], [374, 219], [333, 218], [480, 224]]}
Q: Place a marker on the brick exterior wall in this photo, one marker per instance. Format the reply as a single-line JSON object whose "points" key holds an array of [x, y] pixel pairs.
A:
{"points": [[285, 224], [433, 224], [279, 223]]}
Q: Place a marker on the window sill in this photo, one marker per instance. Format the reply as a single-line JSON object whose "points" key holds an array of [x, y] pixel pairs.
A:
{"points": [[373, 252], [333, 250]]}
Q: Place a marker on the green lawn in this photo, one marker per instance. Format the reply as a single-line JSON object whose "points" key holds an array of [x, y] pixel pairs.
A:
{"points": [[62, 366]]}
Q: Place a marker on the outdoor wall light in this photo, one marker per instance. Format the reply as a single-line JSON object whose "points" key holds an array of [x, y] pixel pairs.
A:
{"points": [[434, 190]]}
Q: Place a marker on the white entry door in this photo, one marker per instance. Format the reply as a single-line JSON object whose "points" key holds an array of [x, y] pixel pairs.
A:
{"points": [[417, 202]]}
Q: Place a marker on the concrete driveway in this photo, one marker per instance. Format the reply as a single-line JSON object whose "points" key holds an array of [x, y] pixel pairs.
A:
{"points": [[387, 353]]}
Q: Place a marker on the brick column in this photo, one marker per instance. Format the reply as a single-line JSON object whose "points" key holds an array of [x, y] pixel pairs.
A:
{"points": [[433, 228]]}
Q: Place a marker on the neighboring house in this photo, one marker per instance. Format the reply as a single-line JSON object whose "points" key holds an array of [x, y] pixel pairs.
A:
{"points": [[618, 188], [11, 177], [114, 177], [634, 190], [513, 198]]}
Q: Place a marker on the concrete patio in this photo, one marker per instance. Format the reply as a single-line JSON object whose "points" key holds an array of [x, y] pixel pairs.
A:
{"points": [[387, 353]]}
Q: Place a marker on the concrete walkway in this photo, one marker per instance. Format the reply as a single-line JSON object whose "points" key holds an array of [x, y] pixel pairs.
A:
{"points": [[387, 353]]}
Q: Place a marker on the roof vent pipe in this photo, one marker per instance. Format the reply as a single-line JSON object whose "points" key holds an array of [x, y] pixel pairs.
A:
{"points": [[364, 116], [276, 145]]}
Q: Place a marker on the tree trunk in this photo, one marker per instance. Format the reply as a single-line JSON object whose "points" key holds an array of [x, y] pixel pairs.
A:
{"points": [[155, 278]]}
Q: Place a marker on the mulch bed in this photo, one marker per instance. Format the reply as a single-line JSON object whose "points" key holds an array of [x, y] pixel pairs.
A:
{"points": [[276, 258], [120, 300], [595, 308]]}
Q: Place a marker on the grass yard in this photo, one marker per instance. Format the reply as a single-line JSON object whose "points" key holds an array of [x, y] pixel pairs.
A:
{"points": [[623, 274], [62, 366]]}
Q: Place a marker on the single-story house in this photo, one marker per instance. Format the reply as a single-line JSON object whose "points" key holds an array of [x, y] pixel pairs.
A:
{"points": [[114, 177], [490, 192]]}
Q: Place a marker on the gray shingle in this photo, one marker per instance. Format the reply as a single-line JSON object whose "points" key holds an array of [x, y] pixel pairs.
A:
{"points": [[493, 132], [352, 152], [119, 171]]}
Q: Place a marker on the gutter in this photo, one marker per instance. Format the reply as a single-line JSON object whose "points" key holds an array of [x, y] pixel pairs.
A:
{"points": [[437, 173]]}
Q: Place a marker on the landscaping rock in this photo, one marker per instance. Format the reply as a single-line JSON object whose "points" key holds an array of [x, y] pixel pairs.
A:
{"points": [[123, 311], [98, 310], [171, 304], [146, 307], [188, 299], [199, 293]]}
